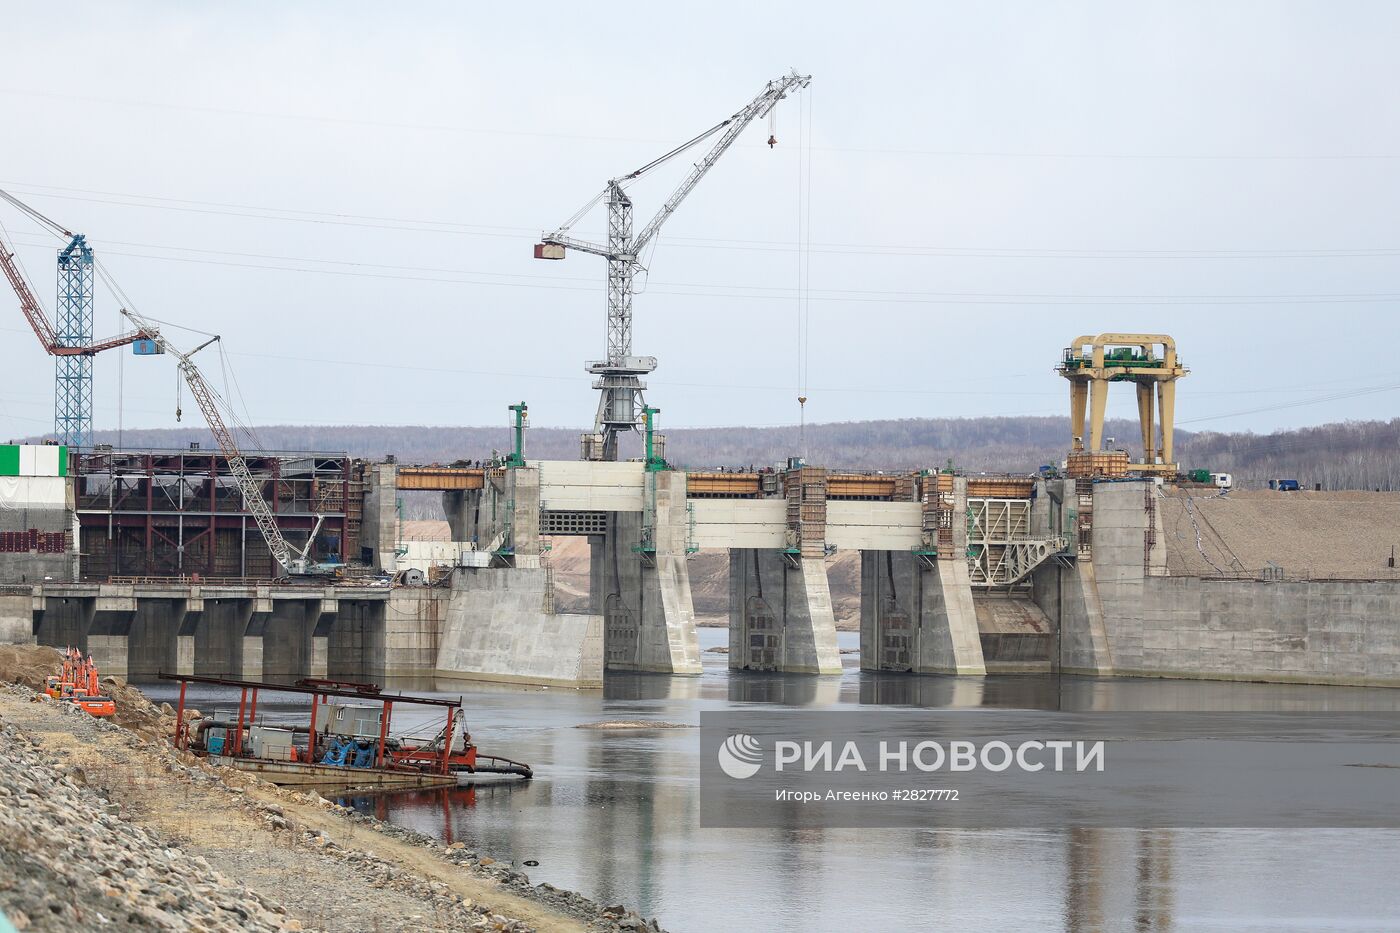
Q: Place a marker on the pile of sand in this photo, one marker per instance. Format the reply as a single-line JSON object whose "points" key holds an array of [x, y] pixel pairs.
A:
{"points": [[135, 712], [29, 665]]}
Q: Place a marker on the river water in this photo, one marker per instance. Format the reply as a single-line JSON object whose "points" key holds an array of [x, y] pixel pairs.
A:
{"points": [[614, 814]]}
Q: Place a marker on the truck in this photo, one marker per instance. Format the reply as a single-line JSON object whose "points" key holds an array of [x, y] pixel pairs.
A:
{"points": [[1284, 485]]}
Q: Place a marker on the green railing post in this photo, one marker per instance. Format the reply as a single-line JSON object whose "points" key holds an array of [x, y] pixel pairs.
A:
{"points": [[517, 456], [654, 462]]}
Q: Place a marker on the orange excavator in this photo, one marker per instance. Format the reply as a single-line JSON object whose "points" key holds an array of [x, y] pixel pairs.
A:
{"points": [[78, 683]]}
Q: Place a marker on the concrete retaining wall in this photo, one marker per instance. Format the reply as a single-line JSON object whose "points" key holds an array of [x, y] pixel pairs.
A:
{"points": [[16, 620], [1339, 632], [498, 628]]}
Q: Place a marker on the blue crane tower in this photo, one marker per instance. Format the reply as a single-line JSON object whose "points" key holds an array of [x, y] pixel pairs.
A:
{"points": [[70, 343], [72, 397]]}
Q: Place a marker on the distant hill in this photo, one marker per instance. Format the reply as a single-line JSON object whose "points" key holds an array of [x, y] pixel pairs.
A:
{"points": [[1349, 455], [1002, 444]]}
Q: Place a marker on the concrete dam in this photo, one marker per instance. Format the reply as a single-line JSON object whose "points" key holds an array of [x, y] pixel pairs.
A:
{"points": [[145, 558]]}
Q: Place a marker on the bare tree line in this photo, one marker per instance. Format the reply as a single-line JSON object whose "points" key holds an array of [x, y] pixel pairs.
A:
{"points": [[1344, 455]]}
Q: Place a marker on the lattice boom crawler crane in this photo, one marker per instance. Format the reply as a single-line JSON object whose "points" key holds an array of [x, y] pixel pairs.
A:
{"points": [[621, 402], [296, 562]]}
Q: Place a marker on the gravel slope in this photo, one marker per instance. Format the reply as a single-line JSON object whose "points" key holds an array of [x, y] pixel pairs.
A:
{"points": [[1324, 534], [96, 818]]}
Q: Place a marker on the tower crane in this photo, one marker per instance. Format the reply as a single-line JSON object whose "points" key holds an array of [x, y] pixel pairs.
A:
{"points": [[296, 562], [72, 344], [618, 380]]}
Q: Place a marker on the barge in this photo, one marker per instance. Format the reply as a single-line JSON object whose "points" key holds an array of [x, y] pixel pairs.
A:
{"points": [[348, 741]]}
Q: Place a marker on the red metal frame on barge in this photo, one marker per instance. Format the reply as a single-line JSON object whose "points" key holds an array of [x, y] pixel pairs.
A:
{"points": [[389, 761]]}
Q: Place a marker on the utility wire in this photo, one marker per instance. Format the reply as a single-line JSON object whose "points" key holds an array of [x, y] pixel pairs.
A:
{"points": [[496, 131], [515, 233], [756, 292]]}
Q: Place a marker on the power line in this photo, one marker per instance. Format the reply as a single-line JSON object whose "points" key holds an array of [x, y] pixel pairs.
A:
{"points": [[420, 225], [865, 150], [785, 293], [1370, 390]]}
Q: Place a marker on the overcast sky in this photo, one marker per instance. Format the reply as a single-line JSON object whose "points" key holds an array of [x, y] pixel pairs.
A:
{"points": [[349, 195]]}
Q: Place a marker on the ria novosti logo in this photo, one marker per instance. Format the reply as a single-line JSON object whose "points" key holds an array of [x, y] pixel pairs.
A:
{"points": [[740, 756]]}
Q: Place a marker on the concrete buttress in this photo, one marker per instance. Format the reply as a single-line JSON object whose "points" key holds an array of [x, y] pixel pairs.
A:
{"points": [[500, 622], [114, 610], [641, 581], [780, 615], [917, 615]]}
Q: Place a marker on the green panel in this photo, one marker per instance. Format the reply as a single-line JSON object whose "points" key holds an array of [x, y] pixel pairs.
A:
{"points": [[62, 460], [9, 460]]}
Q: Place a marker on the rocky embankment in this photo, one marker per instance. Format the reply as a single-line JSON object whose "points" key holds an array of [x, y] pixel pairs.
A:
{"points": [[69, 862], [108, 827]]}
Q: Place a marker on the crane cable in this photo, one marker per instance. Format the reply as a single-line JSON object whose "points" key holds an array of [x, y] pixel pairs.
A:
{"points": [[52, 226], [677, 151], [124, 299], [804, 258], [633, 175]]}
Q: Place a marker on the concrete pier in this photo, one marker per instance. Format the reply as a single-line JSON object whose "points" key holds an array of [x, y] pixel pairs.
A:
{"points": [[641, 583], [462, 508], [108, 632], [1067, 591], [917, 615], [780, 616], [379, 531]]}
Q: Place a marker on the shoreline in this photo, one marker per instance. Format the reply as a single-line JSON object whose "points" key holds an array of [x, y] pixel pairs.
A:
{"points": [[114, 821]]}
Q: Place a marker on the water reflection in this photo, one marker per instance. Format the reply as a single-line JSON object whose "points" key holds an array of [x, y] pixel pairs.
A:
{"points": [[783, 689], [631, 686], [614, 814]]}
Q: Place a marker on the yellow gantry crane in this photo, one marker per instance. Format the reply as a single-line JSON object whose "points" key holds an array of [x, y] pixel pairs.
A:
{"points": [[1091, 363]]}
